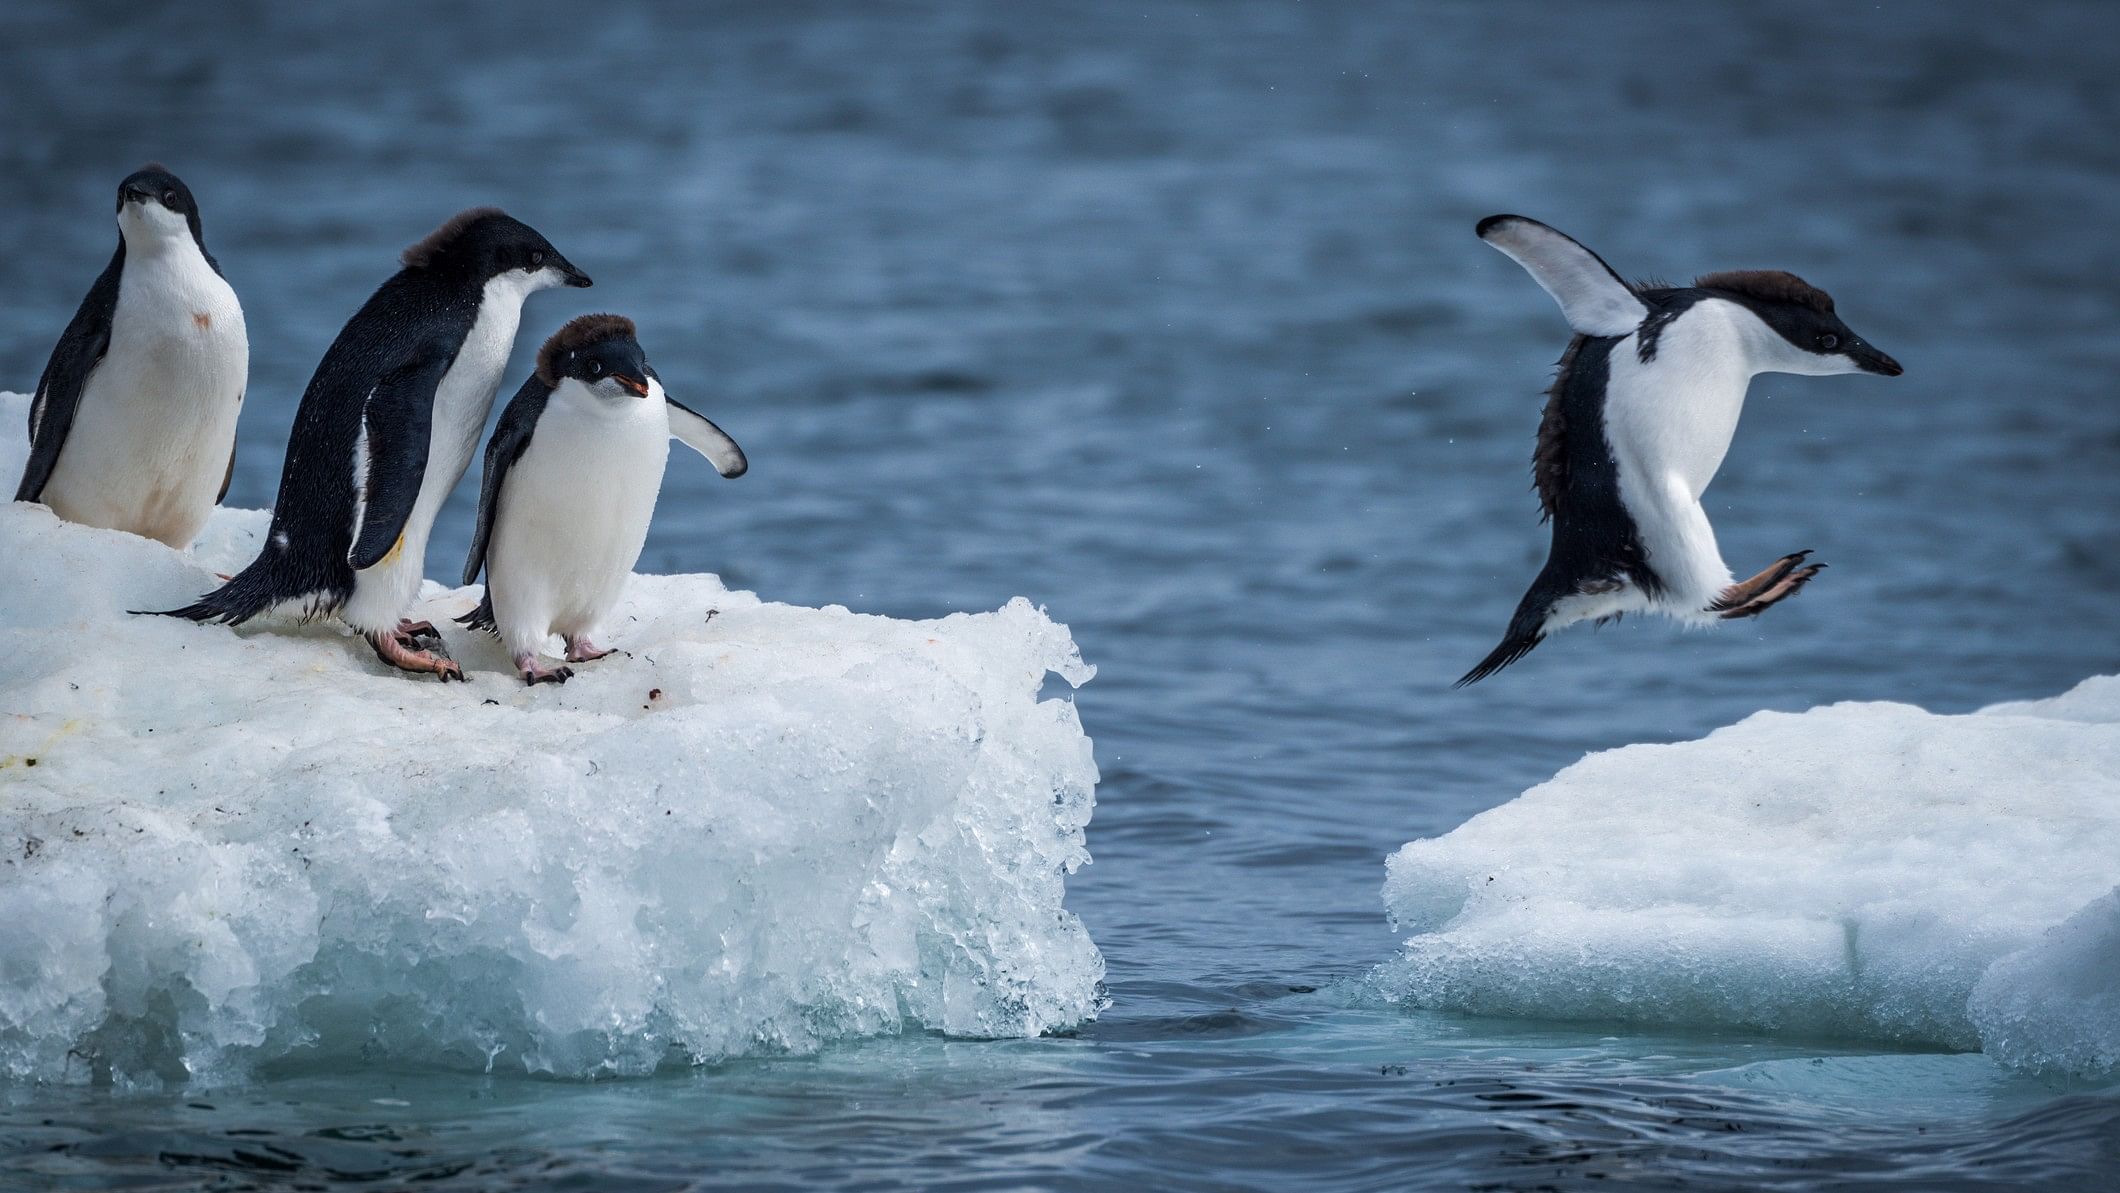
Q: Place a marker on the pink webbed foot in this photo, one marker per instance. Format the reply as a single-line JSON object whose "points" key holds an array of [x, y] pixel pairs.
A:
{"points": [[1781, 580], [581, 650], [534, 672], [403, 651]]}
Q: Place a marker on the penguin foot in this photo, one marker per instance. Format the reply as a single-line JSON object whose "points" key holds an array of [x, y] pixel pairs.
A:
{"points": [[402, 650], [419, 633], [534, 672], [1780, 581], [581, 650], [1744, 592]]}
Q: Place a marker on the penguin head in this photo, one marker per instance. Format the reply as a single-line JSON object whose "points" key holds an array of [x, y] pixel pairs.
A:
{"points": [[1808, 336], [485, 243], [154, 202], [601, 353]]}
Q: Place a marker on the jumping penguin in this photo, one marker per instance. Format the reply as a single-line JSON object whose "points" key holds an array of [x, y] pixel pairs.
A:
{"points": [[133, 426], [1637, 422], [385, 430], [572, 474]]}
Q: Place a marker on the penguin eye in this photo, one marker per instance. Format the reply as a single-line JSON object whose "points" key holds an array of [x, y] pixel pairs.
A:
{"points": [[1829, 341], [596, 368], [537, 257], [169, 198]]}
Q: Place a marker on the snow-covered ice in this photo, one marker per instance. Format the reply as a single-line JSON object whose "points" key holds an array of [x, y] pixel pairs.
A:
{"points": [[232, 851], [1868, 871]]}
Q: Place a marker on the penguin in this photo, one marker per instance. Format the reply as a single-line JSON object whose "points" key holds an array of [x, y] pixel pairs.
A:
{"points": [[572, 474], [384, 432], [133, 426], [1640, 414]]}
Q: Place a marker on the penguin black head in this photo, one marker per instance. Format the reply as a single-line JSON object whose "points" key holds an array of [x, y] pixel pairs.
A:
{"points": [[1802, 316], [159, 201], [599, 351], [484, 243]]}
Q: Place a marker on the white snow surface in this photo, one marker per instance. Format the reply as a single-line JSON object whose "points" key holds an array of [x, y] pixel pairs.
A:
{"points": [[231, 852], [1863, 871]]}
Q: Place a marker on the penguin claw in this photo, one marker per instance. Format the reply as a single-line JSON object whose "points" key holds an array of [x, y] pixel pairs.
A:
{"points": [[581, 650], [534, 672], [401, 650], [419, 633], [1746, 592], [1787, 586]]}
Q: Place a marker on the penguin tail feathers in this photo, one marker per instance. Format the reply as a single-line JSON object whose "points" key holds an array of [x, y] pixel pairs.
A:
{"points": [[481, 618], [233, 603], [1513, 647]]}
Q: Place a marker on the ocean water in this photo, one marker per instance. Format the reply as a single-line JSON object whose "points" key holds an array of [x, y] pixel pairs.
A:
{"points": [[1170, 317]]}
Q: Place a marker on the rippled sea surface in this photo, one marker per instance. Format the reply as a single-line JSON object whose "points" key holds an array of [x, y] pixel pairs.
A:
{"points": [[1171, 318]]}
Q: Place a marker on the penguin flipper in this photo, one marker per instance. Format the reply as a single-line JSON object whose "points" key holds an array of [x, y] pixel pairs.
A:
{"points": [[1593, 298], [230, 475], [511, 438], [695, 431], [79, 350], [396, 420]]}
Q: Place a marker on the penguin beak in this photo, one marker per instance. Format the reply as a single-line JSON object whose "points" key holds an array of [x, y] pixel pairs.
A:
{"points": [[135, 192], [633, 385], [1870, 360], [576, 277]]}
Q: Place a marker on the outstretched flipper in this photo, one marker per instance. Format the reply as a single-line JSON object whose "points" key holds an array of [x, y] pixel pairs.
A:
{"points": [[695, 431], [1593, 298]]}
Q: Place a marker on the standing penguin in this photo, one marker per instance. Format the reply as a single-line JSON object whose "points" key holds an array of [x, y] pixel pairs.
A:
{"points": [[385, 430], [1637, 423], [133, 426], [572, 475]]}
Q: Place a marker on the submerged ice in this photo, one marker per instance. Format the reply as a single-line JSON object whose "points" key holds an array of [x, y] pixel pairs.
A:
{"points": [[1871, 871], [767, 829]]}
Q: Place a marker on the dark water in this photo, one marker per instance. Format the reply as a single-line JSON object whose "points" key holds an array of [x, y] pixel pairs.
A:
{"points": [[1171, 318]]}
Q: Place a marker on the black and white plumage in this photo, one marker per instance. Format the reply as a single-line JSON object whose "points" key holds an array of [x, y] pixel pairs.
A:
{"points": [[572, 474], [133, 425], [385, 430], [1637, 422]]}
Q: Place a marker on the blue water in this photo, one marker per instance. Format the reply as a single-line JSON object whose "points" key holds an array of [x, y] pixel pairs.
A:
{"points": [[1170, 317]]}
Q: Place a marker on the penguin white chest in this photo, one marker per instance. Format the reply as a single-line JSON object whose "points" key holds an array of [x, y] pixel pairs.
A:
{"points": [[155, 427], [1671, 418], [463, 399], [1669, 421], [574, 514]]}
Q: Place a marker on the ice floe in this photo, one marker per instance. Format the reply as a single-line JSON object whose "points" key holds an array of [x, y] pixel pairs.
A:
{"points": [[231, 851], [1868, 871]]}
